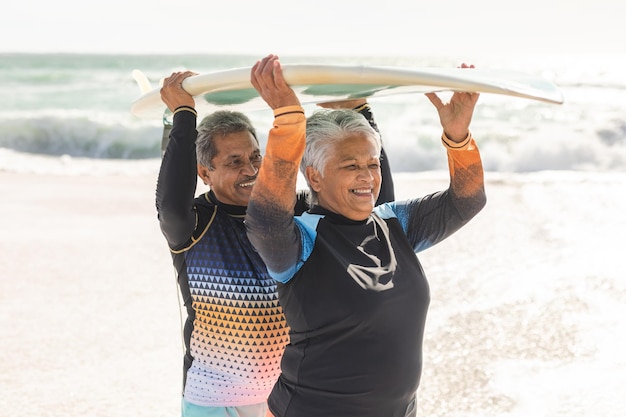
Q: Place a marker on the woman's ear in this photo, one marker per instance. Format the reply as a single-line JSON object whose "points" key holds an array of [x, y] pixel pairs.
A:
{"points": [[205, 175], [314, 178]]}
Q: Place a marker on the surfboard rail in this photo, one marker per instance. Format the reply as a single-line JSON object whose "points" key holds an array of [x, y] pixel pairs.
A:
{"points": [[315, 83]]}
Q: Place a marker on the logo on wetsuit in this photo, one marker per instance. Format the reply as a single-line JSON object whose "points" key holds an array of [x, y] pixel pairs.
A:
{"points": [[378, 277]]}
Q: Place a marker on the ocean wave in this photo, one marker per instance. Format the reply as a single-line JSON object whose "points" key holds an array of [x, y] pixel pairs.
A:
{"points": [[80, 136], [78, 106], [412, 144]]}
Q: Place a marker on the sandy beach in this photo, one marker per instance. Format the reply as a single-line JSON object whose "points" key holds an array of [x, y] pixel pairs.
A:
{"points": [[525, 315], [88, 298]]}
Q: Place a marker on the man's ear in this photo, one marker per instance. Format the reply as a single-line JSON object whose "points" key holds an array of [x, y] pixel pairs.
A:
{"points": [[205, 175], [314, 178]]}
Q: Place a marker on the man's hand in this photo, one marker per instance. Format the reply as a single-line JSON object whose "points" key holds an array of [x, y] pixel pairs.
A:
{"points": [[172, 92], [343, 104]]}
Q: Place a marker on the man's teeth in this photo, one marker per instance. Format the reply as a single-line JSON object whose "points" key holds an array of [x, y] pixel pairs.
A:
{"points": [[247, 184]]}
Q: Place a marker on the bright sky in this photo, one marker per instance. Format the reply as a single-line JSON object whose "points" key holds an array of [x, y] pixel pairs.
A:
{"points": [[314, 27]]}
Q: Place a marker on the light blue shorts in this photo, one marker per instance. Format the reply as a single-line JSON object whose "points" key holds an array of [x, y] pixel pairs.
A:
{"points": [[192, 410]]}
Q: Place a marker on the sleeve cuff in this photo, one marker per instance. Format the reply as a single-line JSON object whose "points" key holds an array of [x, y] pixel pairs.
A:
{"points": [[456, 146], [185, 108], [281, 111]]}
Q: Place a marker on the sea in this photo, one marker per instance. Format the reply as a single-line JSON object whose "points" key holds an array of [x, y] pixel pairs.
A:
{"points": [[78, 106], [527, 300]]}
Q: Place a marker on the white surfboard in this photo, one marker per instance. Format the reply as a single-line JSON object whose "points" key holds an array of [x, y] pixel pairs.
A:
{"points": [[321, 83]]}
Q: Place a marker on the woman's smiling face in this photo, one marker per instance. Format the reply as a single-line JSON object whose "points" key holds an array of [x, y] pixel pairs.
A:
{"points": [[351, 179]]}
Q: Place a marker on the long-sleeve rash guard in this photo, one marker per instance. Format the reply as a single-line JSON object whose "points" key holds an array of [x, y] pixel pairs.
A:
{"points": [[235, 330], [353, 292]]}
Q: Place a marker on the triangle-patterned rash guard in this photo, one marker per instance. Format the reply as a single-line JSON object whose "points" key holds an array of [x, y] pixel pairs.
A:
{"points": [[235, 332]]}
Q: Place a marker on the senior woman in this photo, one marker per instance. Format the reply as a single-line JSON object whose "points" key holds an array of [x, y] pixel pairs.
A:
{"points": [[351, 287]]}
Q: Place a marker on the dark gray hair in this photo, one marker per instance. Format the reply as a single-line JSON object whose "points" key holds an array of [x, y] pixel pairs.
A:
{"points": [[324, 129], [219, 124]]}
